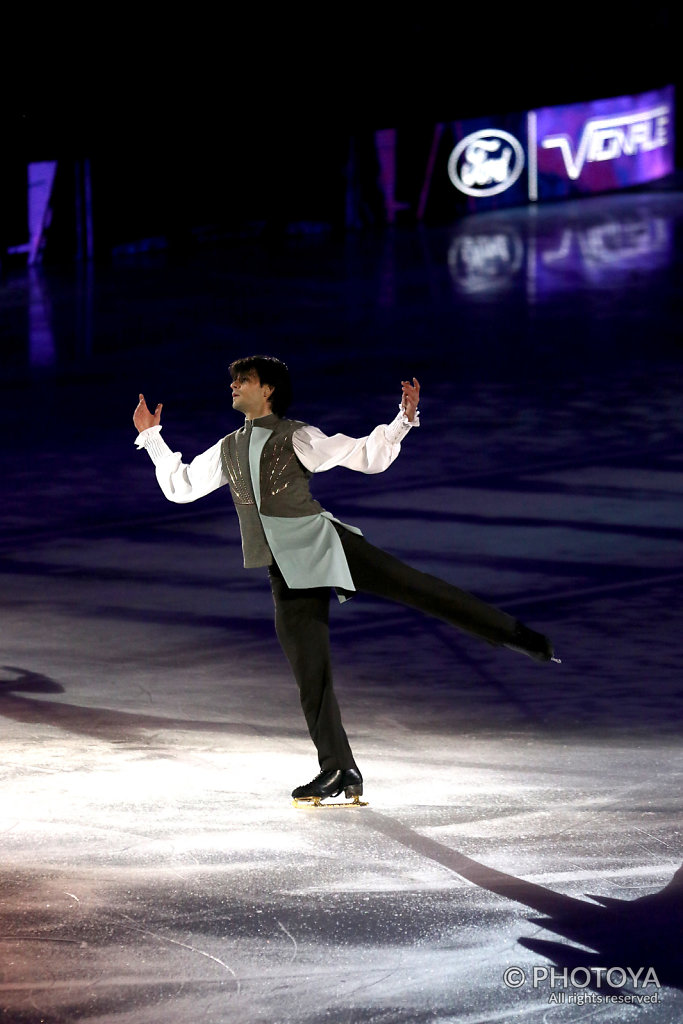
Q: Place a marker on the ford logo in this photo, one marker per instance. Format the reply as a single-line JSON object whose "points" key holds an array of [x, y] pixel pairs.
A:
{"points": [[486, 162]]}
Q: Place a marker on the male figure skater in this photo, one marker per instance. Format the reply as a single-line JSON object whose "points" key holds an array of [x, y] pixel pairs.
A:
{"points": [[267, 464]]}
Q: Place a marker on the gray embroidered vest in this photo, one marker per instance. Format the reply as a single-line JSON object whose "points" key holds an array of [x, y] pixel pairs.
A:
{"points": [[283, 483]]}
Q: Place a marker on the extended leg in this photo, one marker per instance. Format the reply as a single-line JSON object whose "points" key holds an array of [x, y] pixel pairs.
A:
{"points": [[376, 572]]}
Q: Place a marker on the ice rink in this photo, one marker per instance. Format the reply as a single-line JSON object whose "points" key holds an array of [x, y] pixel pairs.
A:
{"points": [[520, 856]]}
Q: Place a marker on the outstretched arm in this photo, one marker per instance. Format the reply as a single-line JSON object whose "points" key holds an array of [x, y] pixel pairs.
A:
{"points": [[180, 482], [371, 454]]}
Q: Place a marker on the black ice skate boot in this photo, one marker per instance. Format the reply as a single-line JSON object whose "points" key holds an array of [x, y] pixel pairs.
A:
{"points": [[330, 784], [534, 645]]}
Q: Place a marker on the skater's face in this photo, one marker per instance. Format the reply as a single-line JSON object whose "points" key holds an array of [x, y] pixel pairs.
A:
{"points": [[250, 396]]}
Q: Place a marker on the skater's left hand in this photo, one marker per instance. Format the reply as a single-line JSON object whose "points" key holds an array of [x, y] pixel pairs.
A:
{"points": [[143, 418], [410, 397]]}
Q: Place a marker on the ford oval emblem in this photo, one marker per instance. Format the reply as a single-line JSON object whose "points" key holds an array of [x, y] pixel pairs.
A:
{"points": [[486, 162]]}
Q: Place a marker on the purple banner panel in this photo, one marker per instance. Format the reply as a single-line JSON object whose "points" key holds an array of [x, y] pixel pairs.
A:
{"points": [[602, 145]]}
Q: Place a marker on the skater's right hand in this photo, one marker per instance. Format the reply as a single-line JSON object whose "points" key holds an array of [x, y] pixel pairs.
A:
{"points": [[142, 417]]}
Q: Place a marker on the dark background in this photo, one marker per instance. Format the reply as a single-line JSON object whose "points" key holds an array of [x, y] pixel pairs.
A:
{"points": [[218, 120]]}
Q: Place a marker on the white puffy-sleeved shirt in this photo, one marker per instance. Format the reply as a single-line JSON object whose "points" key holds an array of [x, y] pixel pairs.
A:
{"points": [[184, 482]]}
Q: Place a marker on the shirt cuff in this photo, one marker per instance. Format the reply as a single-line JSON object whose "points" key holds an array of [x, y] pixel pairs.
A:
{"points": [[400, 426], [408, 423], [154, 445]]}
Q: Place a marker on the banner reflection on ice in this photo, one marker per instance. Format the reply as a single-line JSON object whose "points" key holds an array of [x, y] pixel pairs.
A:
{"points": [[487, 255]]}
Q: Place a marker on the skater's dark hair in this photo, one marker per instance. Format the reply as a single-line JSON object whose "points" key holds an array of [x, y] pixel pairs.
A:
{"points": [[269, 370]]}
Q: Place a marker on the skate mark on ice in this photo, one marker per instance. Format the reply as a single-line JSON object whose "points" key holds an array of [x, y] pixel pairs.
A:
{"points": [[184, 945], [290, 936]]}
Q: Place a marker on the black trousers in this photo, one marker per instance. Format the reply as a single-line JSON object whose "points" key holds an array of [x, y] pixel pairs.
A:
{"points": [[302, 627]]}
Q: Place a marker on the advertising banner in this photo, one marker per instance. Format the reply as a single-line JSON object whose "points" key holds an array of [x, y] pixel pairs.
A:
{"points": [[547, 153], [556, 152], [600, 146], [488, 163]]}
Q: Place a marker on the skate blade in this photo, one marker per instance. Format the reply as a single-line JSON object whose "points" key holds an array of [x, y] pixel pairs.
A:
{"points": [[317, 801]]}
